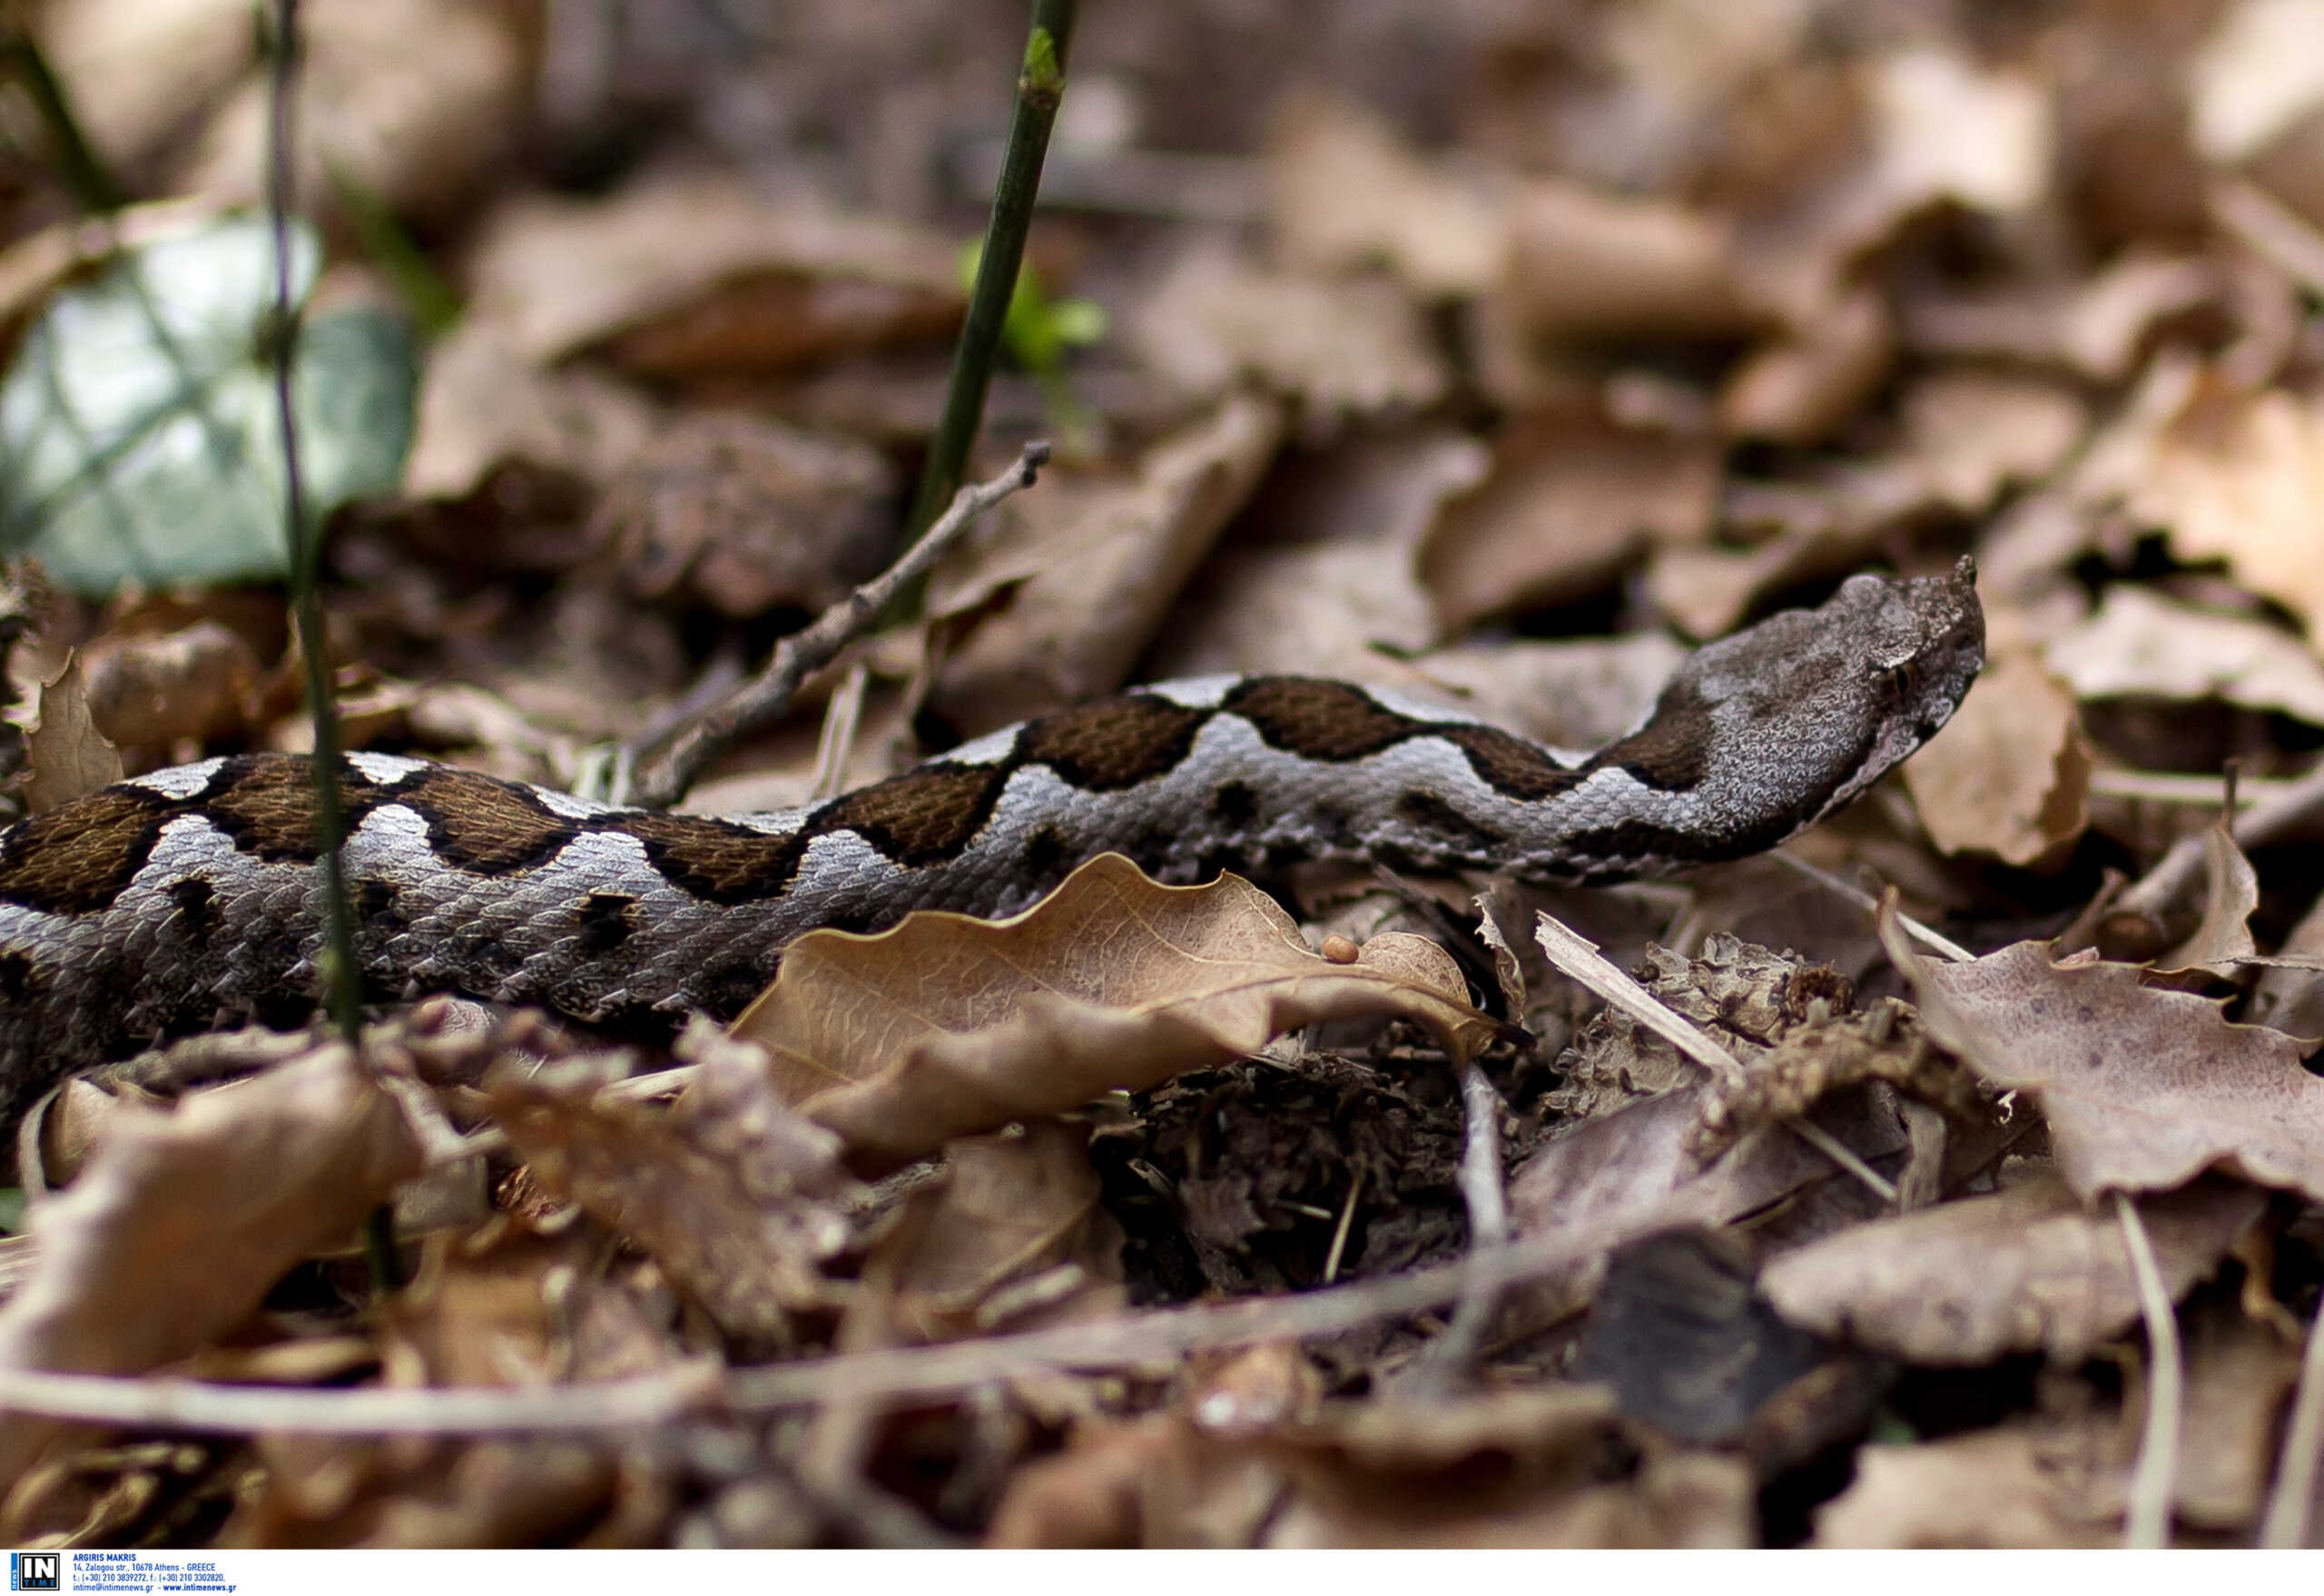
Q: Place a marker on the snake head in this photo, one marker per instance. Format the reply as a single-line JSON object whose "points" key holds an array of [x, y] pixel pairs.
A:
{"points": [[1766, 731]]}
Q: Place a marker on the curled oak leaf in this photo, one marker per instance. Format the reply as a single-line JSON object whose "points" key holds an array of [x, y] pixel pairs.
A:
{"points": [[737, 1198], [2028, 1269], [2143, 1089], [945, 1026], [183, 1221]]}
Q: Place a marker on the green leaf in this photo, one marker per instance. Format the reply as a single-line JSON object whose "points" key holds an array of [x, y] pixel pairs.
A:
{"points": [[139, 436]]}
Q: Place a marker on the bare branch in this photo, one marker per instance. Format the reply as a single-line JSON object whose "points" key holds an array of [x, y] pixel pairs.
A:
{"points": [[762, 699]]}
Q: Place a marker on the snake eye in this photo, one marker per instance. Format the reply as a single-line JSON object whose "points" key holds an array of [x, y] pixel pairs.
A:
{"points": [[1904, 680]]}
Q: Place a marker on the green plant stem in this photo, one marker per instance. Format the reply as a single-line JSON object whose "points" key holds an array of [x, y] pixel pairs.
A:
{"points": [[342, 980], [1039, 88], [91, 183]]}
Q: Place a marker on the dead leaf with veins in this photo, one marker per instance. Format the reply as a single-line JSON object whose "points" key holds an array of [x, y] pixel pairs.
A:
{"points": [[947, 1026], [2030, 1268], [739, 1199], [2143, 1089], [2141, 644], [65, 754], [2009, 775]]}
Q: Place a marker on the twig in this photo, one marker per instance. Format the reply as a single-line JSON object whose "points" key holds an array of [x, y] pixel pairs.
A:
{"points": [[1449, 1360], [1340, 1230], [2288, 1499], [342, 978], [2146, 1522], [1040, 85], [765, 696], [1575, 956], [2147, 786], [2270, 230], [891, 1374], [2281, 812], [1933, 942]]}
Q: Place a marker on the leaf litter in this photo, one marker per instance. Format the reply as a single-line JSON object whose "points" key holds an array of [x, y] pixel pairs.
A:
{"points": [[1134, 1220]]}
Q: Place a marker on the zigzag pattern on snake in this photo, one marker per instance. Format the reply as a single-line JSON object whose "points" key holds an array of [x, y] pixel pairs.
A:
{"points": [[188, 899]]}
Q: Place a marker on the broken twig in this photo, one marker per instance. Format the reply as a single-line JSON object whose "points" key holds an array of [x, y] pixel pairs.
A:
{"points": [[765, 696]]}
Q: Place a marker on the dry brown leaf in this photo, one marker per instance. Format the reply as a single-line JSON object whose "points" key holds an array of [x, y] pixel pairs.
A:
{"points": [[1328, 587], [1970, 433], [745, 515], [1082, 572], [2009, 775], [2255, 78], [184, 1220], [1344, 349], [2143, 1089], [1345, 195], [736, 1196], [1587, 265], [1016, 1239], [1803, 388], [1988, 1488], [1568, 503], [1634, 1171], [1508, 1468], [2238, 477], [2029, 1269], [2230, 892], [757, 287], [65, 755], [484, 405], [948, 1025], [1946, 130], [409, 102], [150, 692], [2141, 644]]}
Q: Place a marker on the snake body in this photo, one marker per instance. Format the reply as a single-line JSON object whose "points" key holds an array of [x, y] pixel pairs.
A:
{"points": [[190, 898]]}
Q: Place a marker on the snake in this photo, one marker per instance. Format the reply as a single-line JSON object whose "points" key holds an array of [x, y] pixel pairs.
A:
{"points": [[190, 899]]}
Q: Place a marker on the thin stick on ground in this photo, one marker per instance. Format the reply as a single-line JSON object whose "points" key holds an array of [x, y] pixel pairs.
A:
{"points": [[762, 699], [2285, 1526], [890, 1374], [2146, 1519], [1450, 1361], [1041, 86]]}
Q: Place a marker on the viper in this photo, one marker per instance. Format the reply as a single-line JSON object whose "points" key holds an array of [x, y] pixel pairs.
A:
{"points": [[190, 898]]}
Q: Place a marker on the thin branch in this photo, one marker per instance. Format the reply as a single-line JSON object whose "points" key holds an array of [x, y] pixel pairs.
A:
{"points": [[2289, 1499], [763, 698], [2146, 1522], [626, 1406], [341, 975], [2284, 810], [1040, 85], [1450, 1360], [1935, 942]]}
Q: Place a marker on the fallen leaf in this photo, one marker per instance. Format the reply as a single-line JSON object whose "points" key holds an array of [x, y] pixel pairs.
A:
{"points": [[756, 288], [1986, 1488], [149, 692], [2255, 77], [945, 1026], [1344, 349], [1056, 606], [2030, 1268], [1589, 265], [1568, 503], [1800, 389], [734, 1195], [2223, 939], [2009, 775], [65, 754], [484, 405], [2143, 1089], [1345, 195], [175, 1231], [1329, 589], [2236, 476], [1016, 1239], [746, 515], [1970, 434], [2140, 645]]}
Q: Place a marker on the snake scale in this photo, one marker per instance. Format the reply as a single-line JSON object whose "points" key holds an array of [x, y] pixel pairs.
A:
{"points": [[188, 899]]}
